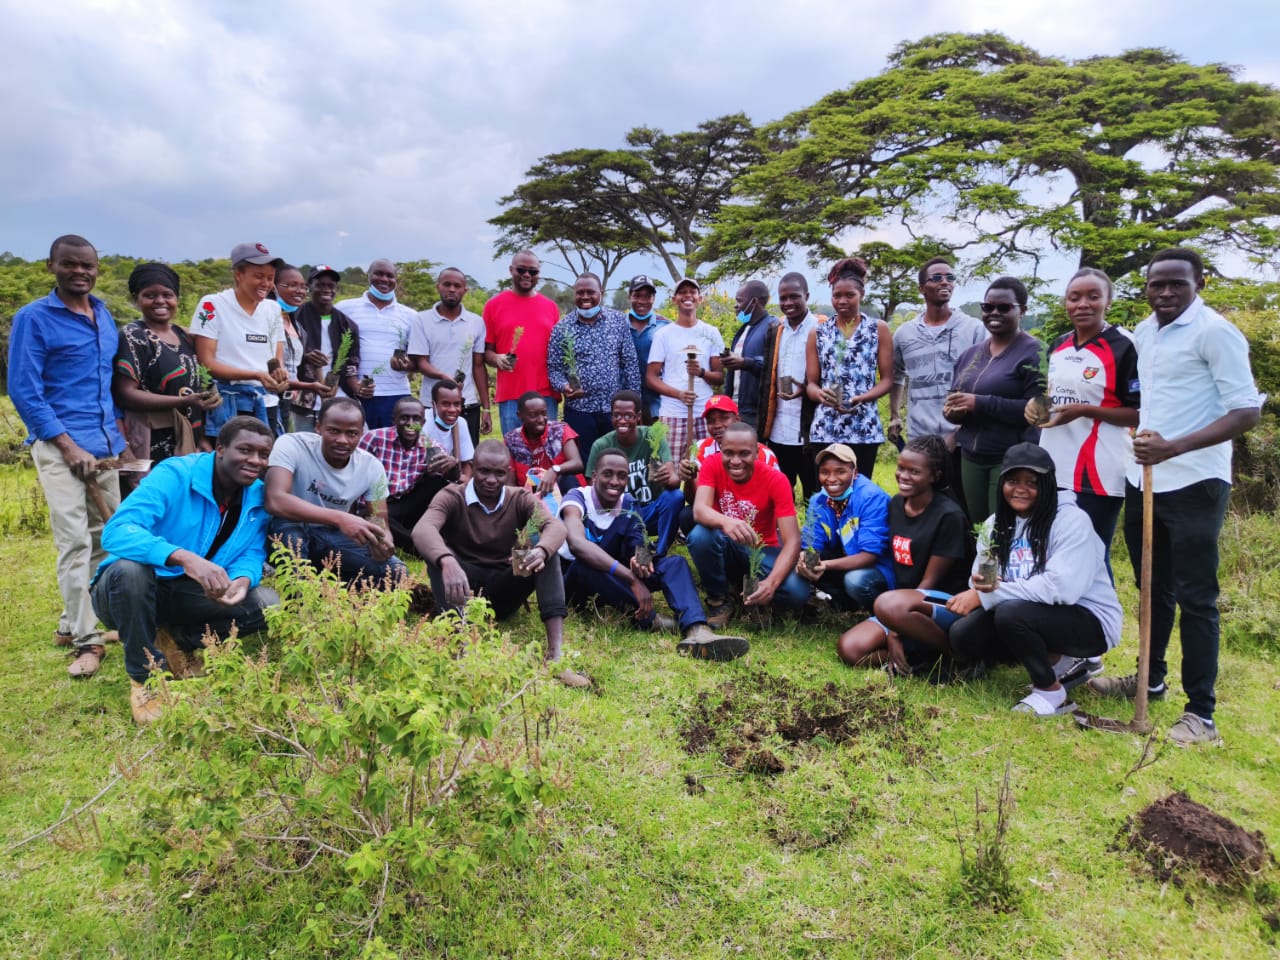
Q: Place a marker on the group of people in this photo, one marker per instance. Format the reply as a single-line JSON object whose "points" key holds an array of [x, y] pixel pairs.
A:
{"points": [[282, 414]]}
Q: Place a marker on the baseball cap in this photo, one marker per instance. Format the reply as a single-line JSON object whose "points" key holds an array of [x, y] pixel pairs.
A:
{"points": [[841, 451], [640, 282], [323, 270], [255, 253], [722, 401], [1026, 456], [688, 280]]}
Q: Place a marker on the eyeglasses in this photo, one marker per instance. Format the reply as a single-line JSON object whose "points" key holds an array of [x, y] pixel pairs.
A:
{"points": [[939, 277], [624, 417], [1000, 308], [527, 271]]}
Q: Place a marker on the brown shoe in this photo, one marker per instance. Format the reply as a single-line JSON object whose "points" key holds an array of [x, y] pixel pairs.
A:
{"points": [[110, 636], [143, 703], [182, 664], [86, 661], [571, 678], [61, 639]]}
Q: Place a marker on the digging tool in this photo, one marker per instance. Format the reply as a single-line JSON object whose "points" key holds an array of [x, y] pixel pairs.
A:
{"points": [[689, 436], [1140, 723]]}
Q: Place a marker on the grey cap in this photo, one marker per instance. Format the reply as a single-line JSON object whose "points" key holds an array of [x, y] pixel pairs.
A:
{"points": [[255, 253]]}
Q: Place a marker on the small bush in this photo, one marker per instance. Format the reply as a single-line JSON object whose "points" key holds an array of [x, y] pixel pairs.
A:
{"points": [[395, 752], [985, 877]]}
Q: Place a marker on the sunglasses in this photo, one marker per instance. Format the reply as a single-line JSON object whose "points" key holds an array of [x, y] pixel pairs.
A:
{"points": [[527, 271], [1000, 308], [939, 277]]}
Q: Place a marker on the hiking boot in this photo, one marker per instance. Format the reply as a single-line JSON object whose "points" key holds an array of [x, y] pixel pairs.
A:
{"points": [[661, 623], [61, 639], [144, 704], [183, 664], [719, 613], [1191, 730], [1124, 688], [571, 678], [86, 661], [704, 644]]}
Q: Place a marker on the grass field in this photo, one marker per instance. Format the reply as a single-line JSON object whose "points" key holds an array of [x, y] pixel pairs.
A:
{"points": [[851, 851]]}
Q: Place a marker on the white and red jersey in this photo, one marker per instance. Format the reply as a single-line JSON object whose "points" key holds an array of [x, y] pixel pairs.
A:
{"points": [[1091, 456], [709, 446]]}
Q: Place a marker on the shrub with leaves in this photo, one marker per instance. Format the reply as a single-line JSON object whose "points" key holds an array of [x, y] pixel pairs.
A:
{"points": [[397, 755]]}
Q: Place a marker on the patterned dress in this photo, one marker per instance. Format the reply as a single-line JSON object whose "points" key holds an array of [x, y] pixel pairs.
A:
{"points": [[160, 367], [856, 374]]}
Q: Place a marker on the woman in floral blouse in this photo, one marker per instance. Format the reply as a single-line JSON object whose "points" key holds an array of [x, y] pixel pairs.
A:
{"points": [[844, 356]]}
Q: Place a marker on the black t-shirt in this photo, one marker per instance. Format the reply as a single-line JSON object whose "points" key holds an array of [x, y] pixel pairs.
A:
{"points": [[939, 531]]}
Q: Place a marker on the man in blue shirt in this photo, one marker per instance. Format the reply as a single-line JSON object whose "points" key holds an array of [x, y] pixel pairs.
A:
{"points": [[644, 324], [61, 352], [186, 555]]}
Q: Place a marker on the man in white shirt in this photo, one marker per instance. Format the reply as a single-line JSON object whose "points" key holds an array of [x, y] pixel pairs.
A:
{"points": [[314, 483], [781, 404], [384, 326], [238, 333], [687, 350], [1198, 394], [447, 343]]}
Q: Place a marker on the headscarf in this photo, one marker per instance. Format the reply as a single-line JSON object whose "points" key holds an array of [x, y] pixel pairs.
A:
{"points": [[149, 274]]}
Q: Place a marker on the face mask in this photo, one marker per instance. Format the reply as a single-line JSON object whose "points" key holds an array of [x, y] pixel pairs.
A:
{"points": [[588, 314], [441, 424], [844, 496], [288, 307], [745, 315], [642, 316], [379, 295]]}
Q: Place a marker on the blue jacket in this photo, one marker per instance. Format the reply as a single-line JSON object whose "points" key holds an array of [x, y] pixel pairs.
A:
{"points": [[174, 509], [60, 374], [864, 527]]}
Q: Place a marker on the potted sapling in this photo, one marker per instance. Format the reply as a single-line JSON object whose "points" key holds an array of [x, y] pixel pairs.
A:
{"points": [[339, 360], [810, 557], [657, 433], [691, 457], [515, 342], [1041, 403], [526, 543], [751, 582], [988, 559], [835, 385], [378, 503], [401, 353], [460, 375], [206, 386], [571, 362], [644, 550], [367, 379]]}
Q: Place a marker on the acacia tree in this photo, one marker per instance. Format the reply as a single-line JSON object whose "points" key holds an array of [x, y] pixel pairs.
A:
{"points": [[1006, 152], [654, 196]]}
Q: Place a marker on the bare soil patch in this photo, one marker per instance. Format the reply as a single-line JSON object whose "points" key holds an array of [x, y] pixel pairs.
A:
{"points": [[1179, 837]]}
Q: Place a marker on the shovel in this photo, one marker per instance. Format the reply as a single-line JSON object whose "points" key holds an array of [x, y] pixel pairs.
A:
{"points": [[1140, 723]]}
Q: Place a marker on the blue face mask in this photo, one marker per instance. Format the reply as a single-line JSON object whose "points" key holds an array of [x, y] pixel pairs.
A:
{"points": [[379, 295], [288, 307], [744, 316], [844, 496], [642, 316], [441, 424], [588, 314]]}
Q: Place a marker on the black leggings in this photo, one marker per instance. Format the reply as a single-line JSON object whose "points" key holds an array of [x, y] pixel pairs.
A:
{"points": [[1028, 632]]}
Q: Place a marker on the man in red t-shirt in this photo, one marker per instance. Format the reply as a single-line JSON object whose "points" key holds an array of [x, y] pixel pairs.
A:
{"points": [[742, 508], [518, 322]]}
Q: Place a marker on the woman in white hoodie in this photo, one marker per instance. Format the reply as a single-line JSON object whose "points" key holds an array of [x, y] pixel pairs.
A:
{"points": [[1053, 605]]}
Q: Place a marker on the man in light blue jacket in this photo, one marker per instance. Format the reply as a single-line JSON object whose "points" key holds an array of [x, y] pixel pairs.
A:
{"points": [[185, 554]]}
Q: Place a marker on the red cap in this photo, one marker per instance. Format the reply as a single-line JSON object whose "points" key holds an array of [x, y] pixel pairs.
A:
{"points": [[722, 401]]}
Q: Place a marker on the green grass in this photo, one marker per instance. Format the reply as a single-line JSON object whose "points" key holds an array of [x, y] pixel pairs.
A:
{"points": [[852, 852]]}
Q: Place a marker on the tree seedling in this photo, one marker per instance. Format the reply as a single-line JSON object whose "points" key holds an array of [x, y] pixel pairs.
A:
{"points": [[657, 433], [526, 541]]}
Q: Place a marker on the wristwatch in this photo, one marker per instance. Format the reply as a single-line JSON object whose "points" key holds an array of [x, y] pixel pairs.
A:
{"points": [[555, 467]]}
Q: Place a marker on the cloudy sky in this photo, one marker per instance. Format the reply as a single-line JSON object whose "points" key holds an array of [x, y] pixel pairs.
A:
{"points": [[337, 132]]}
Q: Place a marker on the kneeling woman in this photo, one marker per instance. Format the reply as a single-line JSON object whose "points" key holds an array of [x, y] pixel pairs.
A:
{"points": [[1053, 604], [930, 549]]}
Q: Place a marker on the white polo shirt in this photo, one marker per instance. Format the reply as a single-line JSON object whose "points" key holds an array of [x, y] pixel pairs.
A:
{"points": [[1192, 371], [449, 345], [382, 332], [670, 348], [245, 340]]}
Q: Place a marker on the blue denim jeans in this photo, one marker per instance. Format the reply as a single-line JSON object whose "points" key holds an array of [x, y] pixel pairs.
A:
{"points": [[130, 598], [1184, 574], [237, 398], [661, 518], [671, 576], [316, 543], [377, 411], [508, 420], [720, 561]]}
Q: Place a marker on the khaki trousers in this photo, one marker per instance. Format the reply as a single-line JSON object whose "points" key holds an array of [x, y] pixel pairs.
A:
{"points": [[77, 533]]}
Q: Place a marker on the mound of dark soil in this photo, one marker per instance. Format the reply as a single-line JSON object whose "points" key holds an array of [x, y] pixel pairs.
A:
{"points": [[421, 602], [751, 721], [1178, 836]]}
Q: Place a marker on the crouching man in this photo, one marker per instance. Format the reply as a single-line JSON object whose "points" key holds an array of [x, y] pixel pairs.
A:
{"points": [[185, 554], [603, 531], [467, 536]]}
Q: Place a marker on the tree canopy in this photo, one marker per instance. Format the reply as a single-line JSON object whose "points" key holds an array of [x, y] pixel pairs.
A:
{"points": [[997, 149], [595, 207]]}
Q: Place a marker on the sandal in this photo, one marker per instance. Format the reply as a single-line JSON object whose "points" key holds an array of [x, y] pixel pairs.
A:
{"points": [[1036, 702], [86, 661]]}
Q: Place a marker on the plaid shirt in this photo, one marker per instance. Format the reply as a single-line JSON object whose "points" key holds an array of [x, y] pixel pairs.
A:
{"points": [[404, 467], [548, 452]]}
